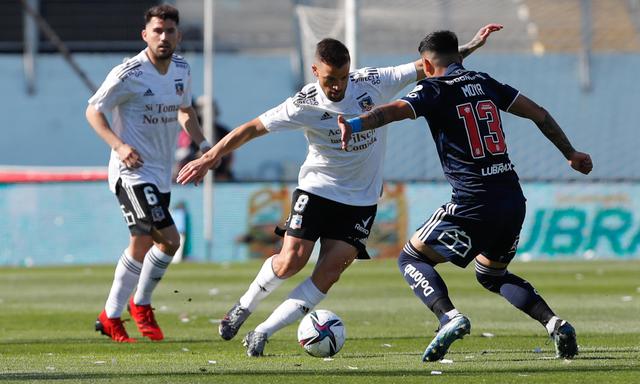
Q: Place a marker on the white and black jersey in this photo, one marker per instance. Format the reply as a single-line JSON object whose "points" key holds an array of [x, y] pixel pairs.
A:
{"points": [[354, 176], [144, 106]]}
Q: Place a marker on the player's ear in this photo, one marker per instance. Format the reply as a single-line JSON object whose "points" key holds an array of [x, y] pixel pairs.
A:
{"points": [[427, 67], [314, 69], [143, 33]]}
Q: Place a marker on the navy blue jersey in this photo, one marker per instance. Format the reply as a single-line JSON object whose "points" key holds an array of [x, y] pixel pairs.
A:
{"points": [[462, 110]]}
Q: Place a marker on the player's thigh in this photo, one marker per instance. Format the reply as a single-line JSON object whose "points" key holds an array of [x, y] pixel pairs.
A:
{"points": [[450, 235], [335, 256], [505, 235], [144, 207], [350, 224]]}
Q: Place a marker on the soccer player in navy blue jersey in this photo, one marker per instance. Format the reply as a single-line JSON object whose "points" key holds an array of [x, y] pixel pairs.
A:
{"points": [[485, 215]]}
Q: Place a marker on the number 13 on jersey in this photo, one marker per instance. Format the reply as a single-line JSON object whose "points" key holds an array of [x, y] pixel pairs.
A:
{"points": [[485, 113]]}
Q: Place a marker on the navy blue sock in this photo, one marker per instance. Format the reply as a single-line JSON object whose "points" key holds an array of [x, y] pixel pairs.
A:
{"points": [[516, 290], [425, 282]]}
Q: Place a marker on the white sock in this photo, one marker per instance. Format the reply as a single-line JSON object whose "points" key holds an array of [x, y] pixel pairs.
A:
{"points": [[452, 313], [265, 282], [124, 281], [154, 266], [301, 300], [551, 324]]}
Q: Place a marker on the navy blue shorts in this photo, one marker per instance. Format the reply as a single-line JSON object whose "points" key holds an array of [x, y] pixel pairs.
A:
{"points": [[461, 231]]}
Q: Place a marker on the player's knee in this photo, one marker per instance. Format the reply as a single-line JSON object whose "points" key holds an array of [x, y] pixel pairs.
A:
{"points": [[490, 278], [169, 246]]}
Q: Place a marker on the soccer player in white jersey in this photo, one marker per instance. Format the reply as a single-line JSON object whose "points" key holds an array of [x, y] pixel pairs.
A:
{"points": [[149, 97], [337, 191]]}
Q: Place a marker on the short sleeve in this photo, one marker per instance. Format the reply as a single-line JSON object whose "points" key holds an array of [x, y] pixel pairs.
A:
{"points": [[505, 93], [394, 79], [186, 96], [112, 92], [421, 98], [284, 117]]}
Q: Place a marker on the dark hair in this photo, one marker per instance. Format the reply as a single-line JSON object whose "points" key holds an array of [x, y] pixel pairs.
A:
{"points": [[331, 51], [440, 42], [163, 11]]}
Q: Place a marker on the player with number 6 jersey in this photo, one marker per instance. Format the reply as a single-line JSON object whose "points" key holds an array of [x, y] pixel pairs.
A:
{"points": [[337, 192], [149, 97], [484, 218]]}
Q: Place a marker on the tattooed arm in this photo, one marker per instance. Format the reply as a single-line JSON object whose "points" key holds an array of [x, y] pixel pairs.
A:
{"points": [[379, 116], [524, 107]]}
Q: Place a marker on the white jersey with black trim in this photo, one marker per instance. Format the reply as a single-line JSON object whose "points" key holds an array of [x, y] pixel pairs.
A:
{"points": [[354, 176], [144, 106]]}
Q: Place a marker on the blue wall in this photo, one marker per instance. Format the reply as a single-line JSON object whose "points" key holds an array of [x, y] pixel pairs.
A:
{"points": [[82, 223]]}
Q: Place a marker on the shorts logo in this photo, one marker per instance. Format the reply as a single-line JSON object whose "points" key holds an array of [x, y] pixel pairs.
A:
{"points": [[157, 213], [295, 222], [457, 241], [363, 228]]}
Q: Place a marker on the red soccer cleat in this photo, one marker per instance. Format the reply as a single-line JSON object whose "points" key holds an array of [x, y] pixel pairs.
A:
{"points": [[113, 328], [145, 320]]}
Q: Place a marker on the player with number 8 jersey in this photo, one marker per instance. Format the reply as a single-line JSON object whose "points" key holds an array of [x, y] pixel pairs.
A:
{"points": [[337, 193]]}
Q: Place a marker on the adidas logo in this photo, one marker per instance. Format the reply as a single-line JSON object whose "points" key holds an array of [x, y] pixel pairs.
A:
{"points": [[326, 116], [149, 92]]}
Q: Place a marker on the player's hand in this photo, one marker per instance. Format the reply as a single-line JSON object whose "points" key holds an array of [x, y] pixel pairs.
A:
{"points": [[194, 171], [581, 162], [345, 131], [481, 37], [129, 156]]}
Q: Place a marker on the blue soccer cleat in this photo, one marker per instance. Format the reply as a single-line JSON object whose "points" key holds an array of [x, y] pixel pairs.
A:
{"points": [[564, 337], [455, 329]]}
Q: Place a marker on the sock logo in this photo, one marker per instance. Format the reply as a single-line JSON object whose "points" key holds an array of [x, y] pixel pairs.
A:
{"points": [[420, 280]]}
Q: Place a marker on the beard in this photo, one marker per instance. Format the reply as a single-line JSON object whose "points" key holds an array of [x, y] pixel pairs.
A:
{"points": [[164, 54]]}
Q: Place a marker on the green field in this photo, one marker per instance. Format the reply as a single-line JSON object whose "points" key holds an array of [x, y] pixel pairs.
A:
{"points": [[47, 316]]}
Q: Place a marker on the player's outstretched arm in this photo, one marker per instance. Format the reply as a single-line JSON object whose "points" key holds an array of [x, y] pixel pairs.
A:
{"points": [[195, 170], [377, 117], [188, 119], [479, 39], [524, 107], [126, 153], [465, 50]]}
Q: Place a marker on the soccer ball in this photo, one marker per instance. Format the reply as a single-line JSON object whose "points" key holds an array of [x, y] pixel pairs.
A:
{"points": [[321, 333]]}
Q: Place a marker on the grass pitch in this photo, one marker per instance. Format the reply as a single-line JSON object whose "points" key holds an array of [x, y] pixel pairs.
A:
{"points": [[47, 316]]}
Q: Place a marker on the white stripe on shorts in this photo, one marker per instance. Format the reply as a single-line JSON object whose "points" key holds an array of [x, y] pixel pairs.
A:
{"points": [[134, 201], [436, 219]]}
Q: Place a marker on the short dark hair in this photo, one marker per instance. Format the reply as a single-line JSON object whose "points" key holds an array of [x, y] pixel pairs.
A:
{"points": [[333, 52], [439, 42], [164, 12]]}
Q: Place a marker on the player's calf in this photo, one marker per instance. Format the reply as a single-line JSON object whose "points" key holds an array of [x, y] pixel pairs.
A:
{"points": [[426, 283]]}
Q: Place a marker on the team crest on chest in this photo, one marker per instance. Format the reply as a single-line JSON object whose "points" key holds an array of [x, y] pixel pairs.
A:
{"points": [[366, 104], [179, 87]]}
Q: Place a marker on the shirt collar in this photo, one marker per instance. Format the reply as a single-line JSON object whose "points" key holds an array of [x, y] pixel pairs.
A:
{"points": [[452, 68]]}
